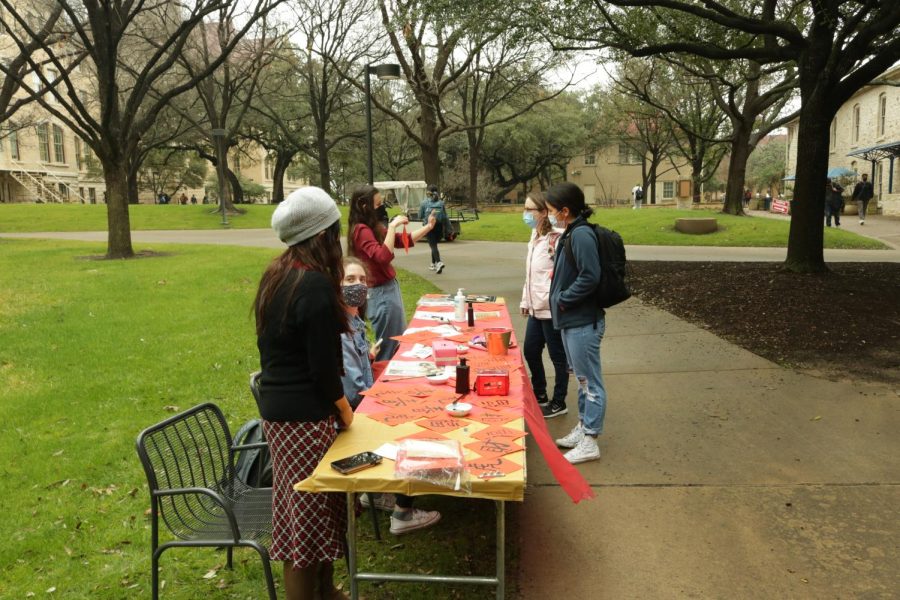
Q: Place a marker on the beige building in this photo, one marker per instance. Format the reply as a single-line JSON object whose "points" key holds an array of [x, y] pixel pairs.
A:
{"points": [[865, 138], [608, 175]]}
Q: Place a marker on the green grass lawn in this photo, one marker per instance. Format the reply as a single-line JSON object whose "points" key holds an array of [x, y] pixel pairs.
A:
{"points": [[93, 351], [654, 227]]}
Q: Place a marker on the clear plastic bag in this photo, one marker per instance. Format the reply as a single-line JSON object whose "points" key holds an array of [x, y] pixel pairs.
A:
{"points": [[438, 462]]}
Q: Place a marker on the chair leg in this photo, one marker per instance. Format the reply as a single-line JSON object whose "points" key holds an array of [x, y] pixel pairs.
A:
{"points": [[267, 570], [373, 512], [154, 576], [229, 553]]}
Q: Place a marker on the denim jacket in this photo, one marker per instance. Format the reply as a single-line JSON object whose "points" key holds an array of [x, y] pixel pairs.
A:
{"points": [[357, 376], [572, 287]]}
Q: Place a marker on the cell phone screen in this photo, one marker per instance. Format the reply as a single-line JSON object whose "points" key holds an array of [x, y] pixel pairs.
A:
{"points": [[357, 462]]}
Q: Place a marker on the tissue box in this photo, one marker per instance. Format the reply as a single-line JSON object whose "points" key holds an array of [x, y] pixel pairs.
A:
{"points": [[492, 382], [444, 352]]}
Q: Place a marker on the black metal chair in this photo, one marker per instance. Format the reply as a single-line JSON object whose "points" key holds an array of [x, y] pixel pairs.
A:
{"points": [[189, 463], [254, 389]]}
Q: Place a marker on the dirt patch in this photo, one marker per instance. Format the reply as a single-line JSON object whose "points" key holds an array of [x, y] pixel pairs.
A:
{"points": [[845, 324]]}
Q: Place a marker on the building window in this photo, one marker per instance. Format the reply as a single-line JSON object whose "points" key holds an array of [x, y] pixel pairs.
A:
{"points": [[92, 195], [63, 191], [44, 141], [79, 162], [882, 113], [668, 190], [14, 144], [833, 134], [855, 132], [269, 168], [590, 159], [81, 194], [623, 154], [237, 164], [59, 151]]}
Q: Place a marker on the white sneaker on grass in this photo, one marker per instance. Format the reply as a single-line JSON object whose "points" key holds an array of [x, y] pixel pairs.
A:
{"points": [[419, 519], [587, 449], [572, 438], [383, 502]]}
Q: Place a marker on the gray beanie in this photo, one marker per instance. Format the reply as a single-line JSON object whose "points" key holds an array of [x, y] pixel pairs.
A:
{"points": [[303, 214]]}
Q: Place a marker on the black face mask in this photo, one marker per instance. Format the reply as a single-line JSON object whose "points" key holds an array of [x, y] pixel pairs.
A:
{"points": [[355, 295]]}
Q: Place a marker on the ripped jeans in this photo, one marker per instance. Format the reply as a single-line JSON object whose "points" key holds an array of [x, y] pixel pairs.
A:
{"points": [[582, 345]]}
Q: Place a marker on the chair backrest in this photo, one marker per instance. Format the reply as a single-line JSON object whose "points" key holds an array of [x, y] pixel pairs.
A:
{"points": [[190, 449], [254, 387]]}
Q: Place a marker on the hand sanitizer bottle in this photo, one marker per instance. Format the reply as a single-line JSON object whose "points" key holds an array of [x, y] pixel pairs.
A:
{"points": [[459, 305]]}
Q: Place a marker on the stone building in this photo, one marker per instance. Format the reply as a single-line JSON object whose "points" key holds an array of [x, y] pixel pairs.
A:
{"points": [[865, 138]]}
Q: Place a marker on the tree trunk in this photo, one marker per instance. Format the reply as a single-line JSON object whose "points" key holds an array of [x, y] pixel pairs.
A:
{"points": [[236, 191], [117, 219], [282, 162], [804, 252], [133, 188], [474, 161], [737, 169], [696, 178], [324, 167], [430, 145]]}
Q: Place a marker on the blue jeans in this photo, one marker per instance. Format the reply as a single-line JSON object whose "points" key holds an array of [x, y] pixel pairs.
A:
{"points": [[538, 333], [385, 313], [582, 346]]}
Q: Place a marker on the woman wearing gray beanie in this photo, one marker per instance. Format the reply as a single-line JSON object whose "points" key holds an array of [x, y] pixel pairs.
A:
{"points": [[299, 321]]}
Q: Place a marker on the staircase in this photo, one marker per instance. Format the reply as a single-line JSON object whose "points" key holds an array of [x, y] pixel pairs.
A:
{"points": [[39, 189]]}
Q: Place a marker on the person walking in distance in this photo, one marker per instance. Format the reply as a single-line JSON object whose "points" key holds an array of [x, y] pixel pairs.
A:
{"points": [[578, 315], [535, 305], [637, 195], [433, 205], [862, 193], [834, 202]]}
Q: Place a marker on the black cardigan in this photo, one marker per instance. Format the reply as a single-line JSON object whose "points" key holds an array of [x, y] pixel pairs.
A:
{"points": [[300, 351]]}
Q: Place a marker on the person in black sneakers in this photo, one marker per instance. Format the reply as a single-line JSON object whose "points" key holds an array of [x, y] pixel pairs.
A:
{"points": [[535, 305]]}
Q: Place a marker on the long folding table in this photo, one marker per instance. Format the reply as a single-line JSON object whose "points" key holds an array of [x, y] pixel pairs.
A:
{"points": [[492, 435]]}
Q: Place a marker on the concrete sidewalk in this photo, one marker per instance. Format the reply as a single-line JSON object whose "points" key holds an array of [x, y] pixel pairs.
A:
{"points": [[723, 475]]}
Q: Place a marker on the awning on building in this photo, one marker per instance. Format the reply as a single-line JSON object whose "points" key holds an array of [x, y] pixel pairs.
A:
{"points": [[879, 152]]}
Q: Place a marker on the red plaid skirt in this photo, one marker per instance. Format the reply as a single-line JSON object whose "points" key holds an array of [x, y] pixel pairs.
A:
{"points": [[307, 528]]}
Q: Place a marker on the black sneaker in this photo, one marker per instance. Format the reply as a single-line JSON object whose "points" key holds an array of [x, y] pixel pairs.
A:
{"points": [[543, 400], [554, 409]]}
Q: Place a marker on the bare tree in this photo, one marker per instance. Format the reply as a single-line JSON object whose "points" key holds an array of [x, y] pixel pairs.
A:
{"points": [[837, 47], [128, 49]]}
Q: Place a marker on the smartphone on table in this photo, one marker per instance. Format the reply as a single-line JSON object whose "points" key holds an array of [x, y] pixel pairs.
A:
{"points": [[355, 463]]}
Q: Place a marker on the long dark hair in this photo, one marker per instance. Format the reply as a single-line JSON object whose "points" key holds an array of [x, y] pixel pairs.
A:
{"points": [[320, 253], [568, 195], [362, 212]]}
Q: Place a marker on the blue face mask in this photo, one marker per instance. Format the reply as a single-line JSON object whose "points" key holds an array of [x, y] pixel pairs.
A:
{"points": [[553, 220], [529, 219]]}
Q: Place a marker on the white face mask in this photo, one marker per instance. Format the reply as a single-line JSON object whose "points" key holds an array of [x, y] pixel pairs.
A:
{"points": [[553, 220]]}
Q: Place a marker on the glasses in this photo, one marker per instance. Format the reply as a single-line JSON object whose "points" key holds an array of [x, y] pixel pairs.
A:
{"points": [[532, 209]]}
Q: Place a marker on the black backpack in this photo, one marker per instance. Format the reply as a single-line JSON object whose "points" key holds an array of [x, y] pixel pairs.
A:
{"points": [[612, 288], [253, 466], [639, 194]]}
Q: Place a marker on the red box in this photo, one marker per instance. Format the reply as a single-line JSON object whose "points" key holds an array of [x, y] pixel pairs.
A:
{"points": [[444, 352], [492, 382]]}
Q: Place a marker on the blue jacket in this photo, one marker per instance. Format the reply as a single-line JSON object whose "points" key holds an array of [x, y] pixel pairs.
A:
{"points": [[572, 287], [357, 376]]}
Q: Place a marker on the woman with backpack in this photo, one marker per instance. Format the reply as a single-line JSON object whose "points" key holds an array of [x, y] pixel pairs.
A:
{"points": [[577, 314], [374, 244], [433, 205], [535, 305], [299, 322]]}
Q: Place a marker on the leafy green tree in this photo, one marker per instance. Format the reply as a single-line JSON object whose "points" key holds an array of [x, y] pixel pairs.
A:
{"points": [[765, 168], [169, 170], [836, 47]]}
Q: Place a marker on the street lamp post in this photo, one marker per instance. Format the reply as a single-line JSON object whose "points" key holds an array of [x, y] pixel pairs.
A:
{"points": [[386, 71], [218, 136]]}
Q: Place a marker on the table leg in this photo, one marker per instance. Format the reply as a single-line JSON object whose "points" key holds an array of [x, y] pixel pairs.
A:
{"points": [[501, 549], [351, 545]]}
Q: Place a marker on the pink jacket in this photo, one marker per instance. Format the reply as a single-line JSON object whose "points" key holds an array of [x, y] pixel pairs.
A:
{"points": [[538, 269]]}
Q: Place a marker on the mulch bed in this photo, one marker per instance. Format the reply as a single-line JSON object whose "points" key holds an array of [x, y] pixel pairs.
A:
{"points": [[844, 324]]}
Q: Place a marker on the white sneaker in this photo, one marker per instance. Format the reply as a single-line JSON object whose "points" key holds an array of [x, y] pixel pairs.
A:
{"points": [[383, 502], [572, 439], [419, 520], [438, 267], [431, 268], [861, 222], [587, 449]]}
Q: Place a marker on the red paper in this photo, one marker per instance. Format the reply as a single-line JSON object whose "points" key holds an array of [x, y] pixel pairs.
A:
{"points": [[405, 237], [488, 468], [392, 417], [417, 337], [494, 447], [490, 417], [440, 424], [423, 435], [499, 402], [499, 432]]}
